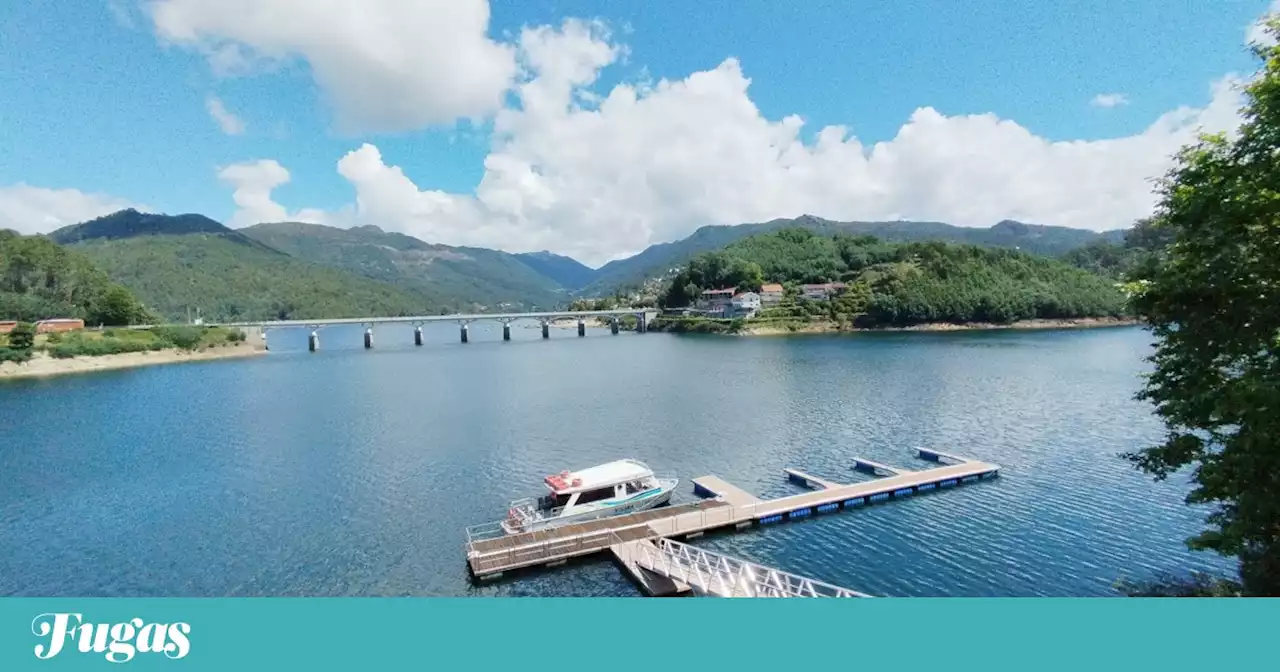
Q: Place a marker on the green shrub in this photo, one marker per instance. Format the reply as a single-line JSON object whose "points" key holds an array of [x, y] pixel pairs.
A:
{"points": [[54, 338], [11, 355], [85, 347], [23, 336], [186, 338], [235, 336]]}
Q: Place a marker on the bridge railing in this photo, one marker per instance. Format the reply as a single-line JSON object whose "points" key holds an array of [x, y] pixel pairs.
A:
{"points": [[727, 576]]}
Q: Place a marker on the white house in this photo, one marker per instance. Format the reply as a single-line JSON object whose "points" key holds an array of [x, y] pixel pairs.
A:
{"points": [[746, 304]]}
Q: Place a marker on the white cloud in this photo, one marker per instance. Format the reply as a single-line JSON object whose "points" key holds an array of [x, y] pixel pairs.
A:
{"points": [[385, 65], [1109, 100], [228, 122], [1257, 32], [253, 182], [28, 209], [651, 163]]}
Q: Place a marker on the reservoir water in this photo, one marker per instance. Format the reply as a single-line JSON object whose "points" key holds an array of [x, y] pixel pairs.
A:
{"points": [[353, 472]]}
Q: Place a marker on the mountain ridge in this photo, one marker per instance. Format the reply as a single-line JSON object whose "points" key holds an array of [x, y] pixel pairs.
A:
{"points": [[656, 259]]}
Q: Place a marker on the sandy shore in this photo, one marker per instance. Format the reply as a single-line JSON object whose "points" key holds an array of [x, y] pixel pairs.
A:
{"points": [[829, 327], [42, 364]]}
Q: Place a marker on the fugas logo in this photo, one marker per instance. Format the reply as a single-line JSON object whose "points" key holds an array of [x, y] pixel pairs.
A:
{"points": [[119, 642]]}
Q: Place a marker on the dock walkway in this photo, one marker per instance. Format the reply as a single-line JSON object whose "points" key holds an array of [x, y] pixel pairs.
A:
{"points": [[490, 553]]}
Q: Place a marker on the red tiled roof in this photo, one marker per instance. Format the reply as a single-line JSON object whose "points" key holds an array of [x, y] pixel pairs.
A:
{"points": [[771, 288]]}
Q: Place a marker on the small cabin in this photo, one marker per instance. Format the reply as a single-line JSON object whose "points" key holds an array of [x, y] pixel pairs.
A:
{"points": [[619, 479]]}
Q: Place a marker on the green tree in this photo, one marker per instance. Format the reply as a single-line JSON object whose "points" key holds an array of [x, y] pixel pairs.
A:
{"points": [[22, 336], [1213, 302]]}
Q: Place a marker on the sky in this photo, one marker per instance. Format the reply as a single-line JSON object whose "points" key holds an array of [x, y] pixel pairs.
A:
{"points": [[595, 129]]}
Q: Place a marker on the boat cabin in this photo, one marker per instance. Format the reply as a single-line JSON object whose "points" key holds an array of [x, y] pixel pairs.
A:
{"points": [[620, 479]]}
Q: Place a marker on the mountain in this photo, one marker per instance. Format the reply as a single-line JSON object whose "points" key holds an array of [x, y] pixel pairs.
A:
{"points": [[462, 278], [658, 259], [565, 271], [177, 265]]}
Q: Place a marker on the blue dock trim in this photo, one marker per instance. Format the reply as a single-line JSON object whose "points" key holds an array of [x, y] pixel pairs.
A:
{"points": [[949, 483], [879, 496], [828, 507], [927, 486], [800, 513], [856, 501], [903, 492], [968, 479], [771, 519]]}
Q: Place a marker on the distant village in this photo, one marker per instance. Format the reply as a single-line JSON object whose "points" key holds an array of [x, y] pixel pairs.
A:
{"points": [[729, 303]]}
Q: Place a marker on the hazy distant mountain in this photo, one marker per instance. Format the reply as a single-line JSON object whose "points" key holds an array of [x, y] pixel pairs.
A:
{"points": [[463, 278], [1033, 238], [180, 264], [566, 271]]}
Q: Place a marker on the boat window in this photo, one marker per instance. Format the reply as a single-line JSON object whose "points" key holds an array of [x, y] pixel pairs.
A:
{"points": [[589, 496], [635, 487], [558, 501]]}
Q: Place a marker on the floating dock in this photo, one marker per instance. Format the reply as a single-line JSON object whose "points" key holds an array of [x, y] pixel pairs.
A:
{"points": [[490, 552]]}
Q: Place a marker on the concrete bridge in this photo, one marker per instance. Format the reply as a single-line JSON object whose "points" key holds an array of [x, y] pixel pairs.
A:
{"points": [[642, 315]]}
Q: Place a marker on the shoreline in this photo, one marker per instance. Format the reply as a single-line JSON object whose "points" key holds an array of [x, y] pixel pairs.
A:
{"points": [[43, 365], [1028, 325]]}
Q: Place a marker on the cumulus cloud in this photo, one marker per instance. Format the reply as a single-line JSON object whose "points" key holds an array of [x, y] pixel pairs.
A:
{"points": [[1109, 100], [385, 65], [228, 122], [601, 175], [252, 183], [1257, 32], [28, 209]]}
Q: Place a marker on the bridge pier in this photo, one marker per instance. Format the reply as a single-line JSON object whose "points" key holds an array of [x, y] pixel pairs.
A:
{"points": [[613, 326], [368, 338], [642, 323], [313, 341], [417, 335], [582, 327], [546, 329], [264, 340], [506, 331], [464, 332]]}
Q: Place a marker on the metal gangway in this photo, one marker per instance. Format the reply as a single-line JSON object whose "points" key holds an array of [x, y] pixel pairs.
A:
{"points": [[725, 576]]}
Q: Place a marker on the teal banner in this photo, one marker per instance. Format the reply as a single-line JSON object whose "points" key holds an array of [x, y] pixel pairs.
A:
{"points": [[625, 634]]}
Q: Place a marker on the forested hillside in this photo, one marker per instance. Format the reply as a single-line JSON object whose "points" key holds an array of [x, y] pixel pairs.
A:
{"points": [[463, 279], [41, 280], [901, 284], [228, 280], [657, 259]]}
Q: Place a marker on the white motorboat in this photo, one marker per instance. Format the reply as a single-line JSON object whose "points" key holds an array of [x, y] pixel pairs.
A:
{"points": [[615, 488]]}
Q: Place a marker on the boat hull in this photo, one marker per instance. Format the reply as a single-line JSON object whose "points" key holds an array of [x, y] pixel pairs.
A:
{"points": [[640, 502]]}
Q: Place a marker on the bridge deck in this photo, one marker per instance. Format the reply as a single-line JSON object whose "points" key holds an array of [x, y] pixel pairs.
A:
{"points": [[489, 557]]}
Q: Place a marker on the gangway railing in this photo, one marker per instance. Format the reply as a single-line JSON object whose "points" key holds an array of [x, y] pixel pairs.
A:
{"points": [[725, 576]]}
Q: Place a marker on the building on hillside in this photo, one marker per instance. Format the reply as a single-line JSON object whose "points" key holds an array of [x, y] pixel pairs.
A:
{"points": [[745, 304], [823, 291], [58, 324], [46, 326], [715, 300], [771, 294]]}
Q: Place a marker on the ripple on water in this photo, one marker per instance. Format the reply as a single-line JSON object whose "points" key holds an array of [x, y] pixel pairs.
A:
{"points": [[347, 472]]}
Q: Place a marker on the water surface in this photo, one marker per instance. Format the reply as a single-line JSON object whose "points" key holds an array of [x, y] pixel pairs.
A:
{"points": [[353, 472]]}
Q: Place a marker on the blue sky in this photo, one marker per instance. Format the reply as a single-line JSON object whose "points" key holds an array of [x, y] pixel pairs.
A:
{"points": [[97, 97]]}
